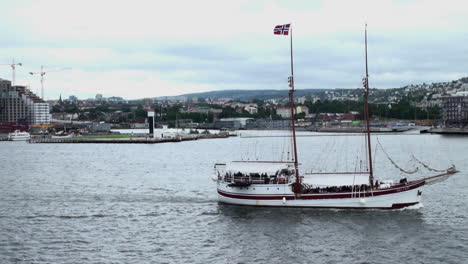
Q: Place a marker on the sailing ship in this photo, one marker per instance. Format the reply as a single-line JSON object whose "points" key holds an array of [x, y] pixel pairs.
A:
{"points": [[279, 183]]}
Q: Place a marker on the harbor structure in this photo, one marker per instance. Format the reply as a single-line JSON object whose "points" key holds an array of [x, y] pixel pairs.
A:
{"points": [[232, 122], [151, 122]]}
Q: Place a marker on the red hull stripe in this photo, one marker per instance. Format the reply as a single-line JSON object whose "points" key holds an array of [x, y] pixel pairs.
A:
{"points": [[394, 206], [396, 189]]}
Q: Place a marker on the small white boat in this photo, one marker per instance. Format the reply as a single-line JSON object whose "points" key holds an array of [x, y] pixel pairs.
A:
{"points": [[62, 134], [19, 136]]}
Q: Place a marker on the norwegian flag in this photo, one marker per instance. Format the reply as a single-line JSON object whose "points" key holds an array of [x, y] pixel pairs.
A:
{"points": [[364, 82], [281, 29]]}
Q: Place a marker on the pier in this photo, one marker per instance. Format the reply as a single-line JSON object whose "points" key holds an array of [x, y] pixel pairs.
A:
{"points": [[447, 131], [129, 140]]}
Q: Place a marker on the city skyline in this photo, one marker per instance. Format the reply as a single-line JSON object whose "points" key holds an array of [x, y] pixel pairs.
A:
{"points": [[155, 48]]}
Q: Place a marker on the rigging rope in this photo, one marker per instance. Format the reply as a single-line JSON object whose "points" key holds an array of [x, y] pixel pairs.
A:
{"points": [[337, 156], [394, 163], [426, 166], [375, 156], [364, 152]]}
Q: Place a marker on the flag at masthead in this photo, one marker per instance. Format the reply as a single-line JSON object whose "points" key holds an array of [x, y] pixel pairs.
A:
{"points": [[281, 29], [286, 29]]}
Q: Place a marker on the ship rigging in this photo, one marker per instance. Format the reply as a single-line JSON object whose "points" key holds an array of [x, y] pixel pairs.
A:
{"points": [[279, 183]]}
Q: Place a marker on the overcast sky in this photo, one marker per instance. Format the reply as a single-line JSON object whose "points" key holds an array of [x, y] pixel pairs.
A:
{"points": [[137, 49]]}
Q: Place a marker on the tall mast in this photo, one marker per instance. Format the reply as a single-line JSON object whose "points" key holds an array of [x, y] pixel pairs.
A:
{"points": [[366, 112], [297, 188]]}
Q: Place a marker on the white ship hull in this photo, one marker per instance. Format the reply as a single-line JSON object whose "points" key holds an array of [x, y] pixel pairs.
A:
{"points": [[280, 195], [19, 136]]}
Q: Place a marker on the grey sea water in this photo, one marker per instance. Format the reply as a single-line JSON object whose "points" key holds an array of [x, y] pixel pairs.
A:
{"points": [[99, 203]]}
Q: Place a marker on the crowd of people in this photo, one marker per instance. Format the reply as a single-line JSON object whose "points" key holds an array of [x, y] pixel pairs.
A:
{"points": [[257, 178], [264, 178], [336, 189]]}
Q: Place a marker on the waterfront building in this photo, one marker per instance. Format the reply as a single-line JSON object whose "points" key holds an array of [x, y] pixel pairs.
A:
{"points": [[302, 109], [267, 124], [301, 100], [41, 113], [252, 109], [283, 111], [140, 125], [19, 105], [233, 122], [455, 109], [338, 117], [97, 127], [203, 110]]}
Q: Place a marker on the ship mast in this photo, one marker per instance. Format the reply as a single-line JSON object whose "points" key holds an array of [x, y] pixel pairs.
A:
{"points": [[366, 113], [297, 184]]}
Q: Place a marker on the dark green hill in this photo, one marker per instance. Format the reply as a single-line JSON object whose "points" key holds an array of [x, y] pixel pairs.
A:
{"points": [[246, 95]]}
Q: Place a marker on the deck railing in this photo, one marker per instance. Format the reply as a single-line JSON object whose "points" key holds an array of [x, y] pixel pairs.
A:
{"points": [[232, 178]]}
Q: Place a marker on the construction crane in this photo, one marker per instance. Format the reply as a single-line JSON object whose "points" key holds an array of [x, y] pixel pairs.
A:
{"points": [[42, 73], [13, 67]]}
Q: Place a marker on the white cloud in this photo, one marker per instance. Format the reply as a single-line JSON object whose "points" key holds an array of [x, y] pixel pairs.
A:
{"points": [[148, 48]]}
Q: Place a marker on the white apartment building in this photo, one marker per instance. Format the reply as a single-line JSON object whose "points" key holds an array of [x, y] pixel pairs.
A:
{"points": [[41, 113]]}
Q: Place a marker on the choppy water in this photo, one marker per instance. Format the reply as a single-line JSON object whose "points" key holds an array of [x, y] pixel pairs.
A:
{"points": [[86, 203]]}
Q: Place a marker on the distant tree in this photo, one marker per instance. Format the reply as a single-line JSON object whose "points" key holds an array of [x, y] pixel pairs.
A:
{"points": [[70, 108], [57, 109], [140, 114], [126, 109]]}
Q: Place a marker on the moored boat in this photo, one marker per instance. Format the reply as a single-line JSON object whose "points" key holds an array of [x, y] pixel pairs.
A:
{"points": [[19, 136]]}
